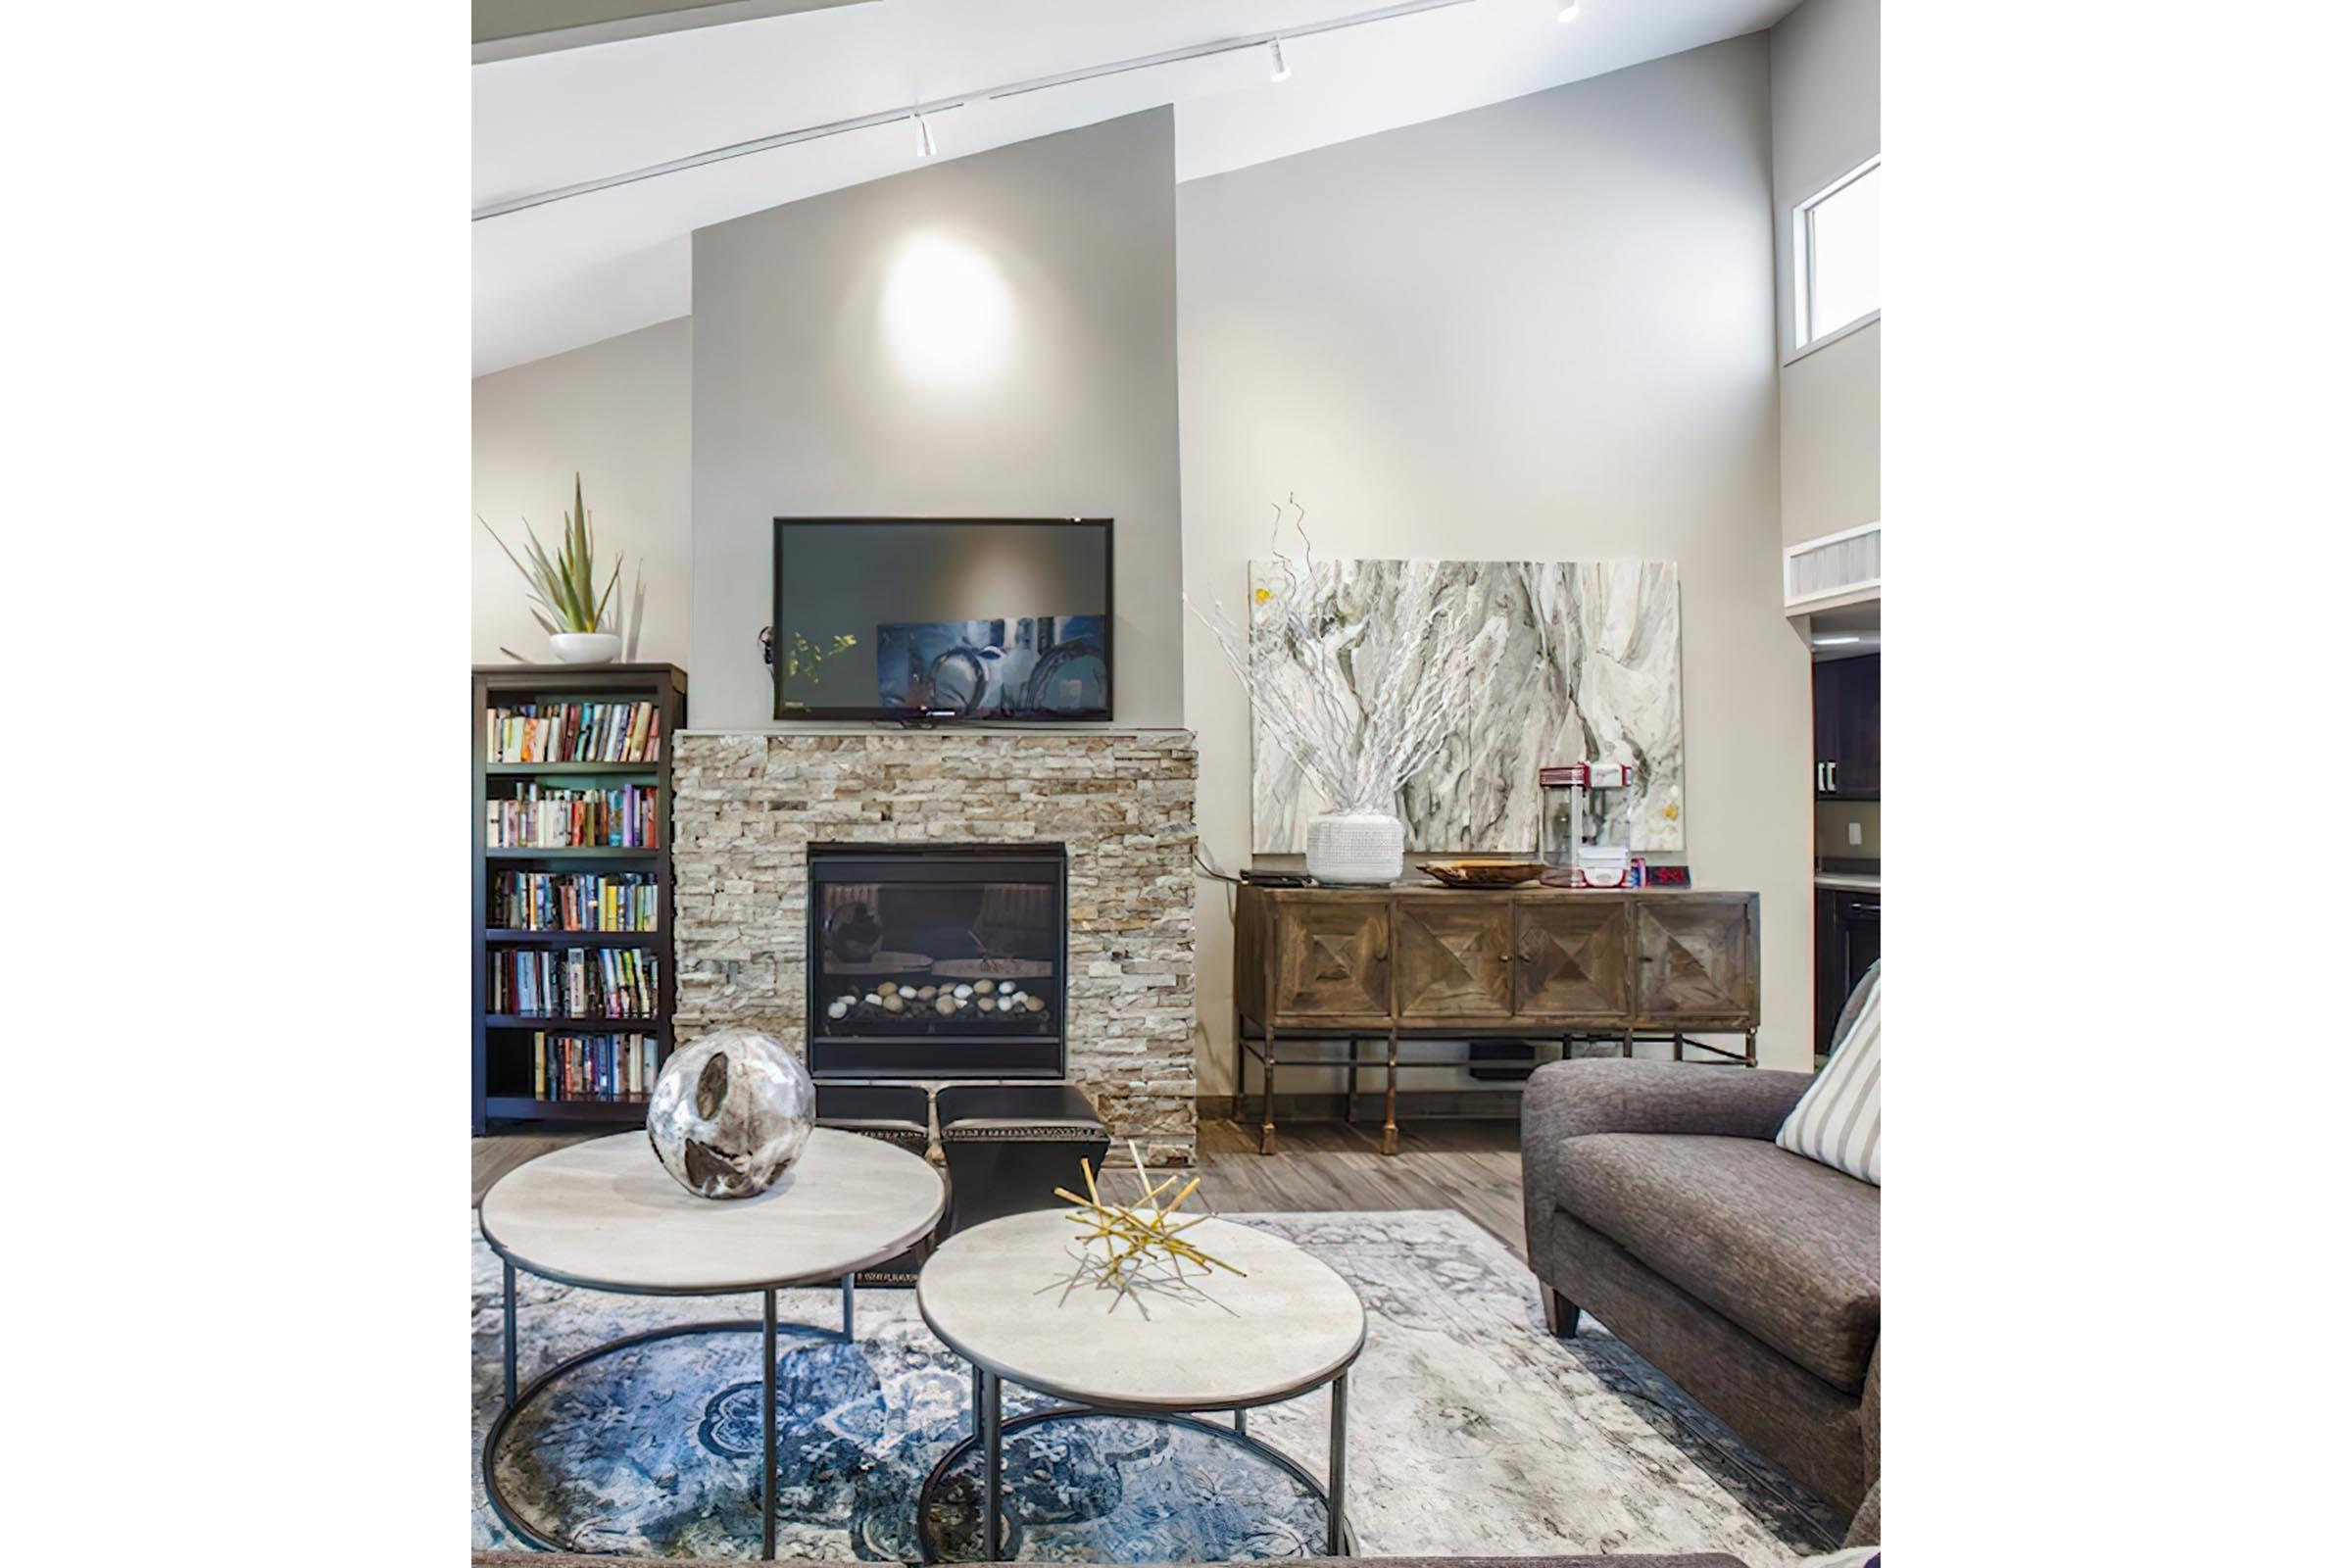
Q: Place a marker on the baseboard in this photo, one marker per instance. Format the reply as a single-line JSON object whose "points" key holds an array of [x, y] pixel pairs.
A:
{"points": [[1466, 1103]]}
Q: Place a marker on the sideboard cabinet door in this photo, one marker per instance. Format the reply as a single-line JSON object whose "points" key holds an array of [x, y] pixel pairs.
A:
{"points": [[1572, 958], [1331, 959], [1453, 959], [1695, 961]]}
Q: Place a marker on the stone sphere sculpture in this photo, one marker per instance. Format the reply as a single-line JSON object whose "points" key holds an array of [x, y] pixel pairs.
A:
{"points": [[731, 1113]]}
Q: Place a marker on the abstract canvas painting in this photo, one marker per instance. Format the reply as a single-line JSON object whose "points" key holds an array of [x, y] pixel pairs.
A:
{"points": [[1596, 675], [1033, 667]]}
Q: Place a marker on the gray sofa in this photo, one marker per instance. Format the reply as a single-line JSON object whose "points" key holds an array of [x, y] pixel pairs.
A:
{"points": [[1657, 1201]]}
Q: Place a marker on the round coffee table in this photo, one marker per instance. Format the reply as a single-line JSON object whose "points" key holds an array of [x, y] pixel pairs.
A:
{"points": [[606, 1216], [1286, 1326]]}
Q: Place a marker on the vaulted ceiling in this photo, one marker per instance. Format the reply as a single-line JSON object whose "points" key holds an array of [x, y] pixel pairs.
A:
{"points": [[567, 273]]}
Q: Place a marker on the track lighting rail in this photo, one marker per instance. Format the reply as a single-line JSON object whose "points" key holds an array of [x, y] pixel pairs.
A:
{"points": [[923, 112]]}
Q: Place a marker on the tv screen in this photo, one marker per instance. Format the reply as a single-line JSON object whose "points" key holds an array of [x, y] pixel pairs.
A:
{"points": [[942, 619]]}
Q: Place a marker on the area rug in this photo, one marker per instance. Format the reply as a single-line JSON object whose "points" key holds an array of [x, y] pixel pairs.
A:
{"points": [[1472, 1432]]}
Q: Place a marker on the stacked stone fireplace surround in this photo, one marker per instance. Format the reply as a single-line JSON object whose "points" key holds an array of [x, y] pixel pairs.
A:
{"points": [[748, 804]]}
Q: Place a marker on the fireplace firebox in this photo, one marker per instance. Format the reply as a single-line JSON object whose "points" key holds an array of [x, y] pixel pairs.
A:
{"points": [[928, 961]]}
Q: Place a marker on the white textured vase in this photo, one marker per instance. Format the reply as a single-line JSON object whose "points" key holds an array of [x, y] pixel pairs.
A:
{"points": [[1355, 847], [585, 647]]}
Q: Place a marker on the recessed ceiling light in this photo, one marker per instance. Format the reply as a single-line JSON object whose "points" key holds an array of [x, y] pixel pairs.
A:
{"points": [[1568, 11], [1282, 69], [1835, 642]]}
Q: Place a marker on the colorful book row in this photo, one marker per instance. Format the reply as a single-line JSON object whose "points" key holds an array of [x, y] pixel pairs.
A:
{"points": [[574, 901], [576, 732], [576, 982], [551, 816], [592, 1066]]}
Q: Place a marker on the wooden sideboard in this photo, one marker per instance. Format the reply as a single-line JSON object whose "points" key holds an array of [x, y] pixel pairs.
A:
{"points": [[1529, 963]]}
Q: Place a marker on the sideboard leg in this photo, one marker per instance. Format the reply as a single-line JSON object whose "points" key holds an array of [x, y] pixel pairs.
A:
{"points": [[1265, 1131], [849, 1306], [1628, 1047], [1347, 1105], [1751, 1047], [1388, 1126], [1678, 1045], [1240, 1068]]}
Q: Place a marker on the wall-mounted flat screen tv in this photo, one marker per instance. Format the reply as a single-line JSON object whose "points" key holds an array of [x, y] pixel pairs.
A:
{"points": [[942, 619]]}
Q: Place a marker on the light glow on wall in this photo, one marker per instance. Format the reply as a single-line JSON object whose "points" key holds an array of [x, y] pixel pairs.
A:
{"points": [[947, 311]]}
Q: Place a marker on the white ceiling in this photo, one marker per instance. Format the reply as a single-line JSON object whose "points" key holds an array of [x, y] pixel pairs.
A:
{"points": [[565, 275]]}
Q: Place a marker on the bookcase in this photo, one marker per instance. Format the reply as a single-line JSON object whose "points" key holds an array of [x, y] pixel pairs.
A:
{"points": [[575, 972]]}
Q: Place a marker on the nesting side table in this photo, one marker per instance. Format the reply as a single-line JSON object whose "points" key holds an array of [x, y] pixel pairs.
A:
{"points": [[1286, 1326], [605, 1217]]}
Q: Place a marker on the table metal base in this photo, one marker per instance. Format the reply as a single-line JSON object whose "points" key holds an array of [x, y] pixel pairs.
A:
{"points": [[518, 1398], [990, 1429]]}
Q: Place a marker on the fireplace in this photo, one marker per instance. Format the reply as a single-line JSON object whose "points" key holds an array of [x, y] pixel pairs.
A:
{"points": [[937, 961]]}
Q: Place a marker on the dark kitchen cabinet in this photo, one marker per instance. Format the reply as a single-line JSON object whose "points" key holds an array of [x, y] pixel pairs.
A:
{"points": [[1845, 728], [1845, 944]]}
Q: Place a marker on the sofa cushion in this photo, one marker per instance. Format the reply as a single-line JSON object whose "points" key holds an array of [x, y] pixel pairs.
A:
{"points": [[1785, 1248]]}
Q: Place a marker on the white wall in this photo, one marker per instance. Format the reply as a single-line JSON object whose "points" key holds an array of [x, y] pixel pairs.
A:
{"points": [[1830, 438], [806, 402], [1824, 123], [617, 413], [1542, 329]]}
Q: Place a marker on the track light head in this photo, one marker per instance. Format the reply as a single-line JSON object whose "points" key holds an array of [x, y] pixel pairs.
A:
{"points": [[924, 147], [1281, 67], [1568, 11]]}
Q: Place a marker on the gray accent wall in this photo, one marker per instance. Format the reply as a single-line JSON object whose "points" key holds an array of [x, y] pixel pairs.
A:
{"points": [[1825, 122], [809, 400], [1542, 329]]}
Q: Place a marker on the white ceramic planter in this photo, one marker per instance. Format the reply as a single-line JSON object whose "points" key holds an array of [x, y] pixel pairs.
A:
{"points": [[1361, 847], [585, 647]]}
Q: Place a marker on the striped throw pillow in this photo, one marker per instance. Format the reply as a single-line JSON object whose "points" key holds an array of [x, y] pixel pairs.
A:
{"points": [[1837, 1122]]}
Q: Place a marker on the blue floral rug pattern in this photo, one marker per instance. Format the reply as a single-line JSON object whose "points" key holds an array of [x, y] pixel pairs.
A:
{"points": [[1471, 1431]]}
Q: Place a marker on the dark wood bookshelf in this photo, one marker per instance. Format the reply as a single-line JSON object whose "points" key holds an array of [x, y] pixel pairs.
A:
{"points": [[523, 1107], [521, 937], [532, 769], [579, 851], [501, 1041]]}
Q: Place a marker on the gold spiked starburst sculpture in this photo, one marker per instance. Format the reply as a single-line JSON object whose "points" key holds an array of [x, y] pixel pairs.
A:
{"points": [[1127, 1249]]}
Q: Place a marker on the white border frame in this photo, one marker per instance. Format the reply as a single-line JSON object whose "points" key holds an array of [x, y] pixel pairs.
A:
{"points": [[1800, 236]]}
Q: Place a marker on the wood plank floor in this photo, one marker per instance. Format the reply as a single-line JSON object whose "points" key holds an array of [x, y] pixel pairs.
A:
{"points": [[1460, 1164]]}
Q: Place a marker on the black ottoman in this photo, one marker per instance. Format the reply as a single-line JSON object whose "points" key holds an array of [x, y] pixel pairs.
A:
{"points": [[896, 1113], [1009, 1145]]}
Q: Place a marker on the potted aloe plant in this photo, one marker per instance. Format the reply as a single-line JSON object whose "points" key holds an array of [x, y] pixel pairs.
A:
{"points": [[565, 602]]}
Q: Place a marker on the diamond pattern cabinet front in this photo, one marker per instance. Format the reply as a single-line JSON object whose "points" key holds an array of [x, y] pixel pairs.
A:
{"points": [[1332, 959], [1695, 961], [1454, 961], [1573, 960]]}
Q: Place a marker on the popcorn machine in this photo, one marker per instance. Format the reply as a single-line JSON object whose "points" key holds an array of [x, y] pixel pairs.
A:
{"points": [[1588, 841]]}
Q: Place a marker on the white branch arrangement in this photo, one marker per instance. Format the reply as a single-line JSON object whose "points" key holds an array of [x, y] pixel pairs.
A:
{"points": [[1358, 750]]}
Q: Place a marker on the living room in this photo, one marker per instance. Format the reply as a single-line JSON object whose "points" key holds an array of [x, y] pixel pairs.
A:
{"points": [[1174, 765], [963, 814]]}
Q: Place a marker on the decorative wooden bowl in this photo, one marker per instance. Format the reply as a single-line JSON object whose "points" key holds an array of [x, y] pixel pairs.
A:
{"points": [[1483, 874]]}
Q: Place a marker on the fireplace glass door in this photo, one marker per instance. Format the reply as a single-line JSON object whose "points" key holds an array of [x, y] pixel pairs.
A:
{"points": [[935, 962]]}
